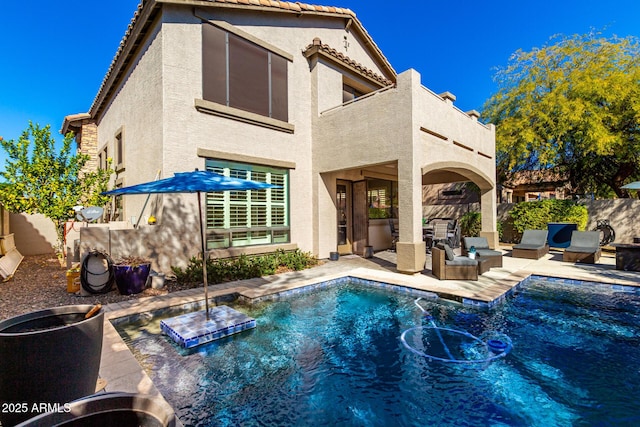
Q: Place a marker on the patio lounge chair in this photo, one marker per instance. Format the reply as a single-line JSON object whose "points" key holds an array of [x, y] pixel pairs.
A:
{"points": [[533, 245], [447, 266], [584, 247], [482, 250]]}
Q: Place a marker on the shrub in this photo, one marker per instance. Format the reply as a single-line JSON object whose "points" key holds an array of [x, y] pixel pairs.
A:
{"points": [[471, 224], [244, 267], [535, 215]]}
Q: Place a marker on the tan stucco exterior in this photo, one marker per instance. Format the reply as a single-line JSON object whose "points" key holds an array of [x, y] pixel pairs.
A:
{"points": [[402, 131]]}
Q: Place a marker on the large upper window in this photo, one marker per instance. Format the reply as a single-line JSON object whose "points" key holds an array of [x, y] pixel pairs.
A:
{"points": [[240, 74], [249, 217]]}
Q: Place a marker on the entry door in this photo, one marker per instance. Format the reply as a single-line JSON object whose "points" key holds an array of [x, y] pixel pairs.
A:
{"points": [[360, 217], [343, 209]]}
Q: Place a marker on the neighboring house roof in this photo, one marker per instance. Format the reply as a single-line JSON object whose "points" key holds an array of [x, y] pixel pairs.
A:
{"points": [[544, 176], [148, 9], [317, 47]]}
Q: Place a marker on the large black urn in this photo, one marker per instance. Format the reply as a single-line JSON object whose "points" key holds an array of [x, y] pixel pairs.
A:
{"points": [[48, 358]]}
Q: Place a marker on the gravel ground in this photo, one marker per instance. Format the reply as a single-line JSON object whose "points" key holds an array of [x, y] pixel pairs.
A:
{"points": [[40, 282]]}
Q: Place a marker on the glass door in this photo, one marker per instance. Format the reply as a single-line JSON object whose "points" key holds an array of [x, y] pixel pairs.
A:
{"points": [[343, 209]]}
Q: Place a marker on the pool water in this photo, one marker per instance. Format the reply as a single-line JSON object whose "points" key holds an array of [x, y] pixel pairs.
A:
{"points": [[334, 357]]}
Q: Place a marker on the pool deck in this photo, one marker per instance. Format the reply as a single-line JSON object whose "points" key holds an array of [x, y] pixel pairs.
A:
{"points": [[123, 372]]}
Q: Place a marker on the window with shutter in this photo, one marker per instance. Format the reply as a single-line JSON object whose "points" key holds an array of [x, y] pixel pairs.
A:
{"points": [[251, 217]]}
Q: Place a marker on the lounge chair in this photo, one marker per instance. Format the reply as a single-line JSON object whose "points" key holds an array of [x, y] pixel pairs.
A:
{"points": [[533, 245], [447, 266], [482, 250], [584, 247]]}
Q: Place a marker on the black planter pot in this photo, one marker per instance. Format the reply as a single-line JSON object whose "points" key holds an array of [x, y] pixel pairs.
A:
{"points": [[48, 357], [110, 409], [131, 279]]}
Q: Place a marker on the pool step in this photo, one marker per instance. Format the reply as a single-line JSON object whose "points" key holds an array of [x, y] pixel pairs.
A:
{"points": [[193, 329]]}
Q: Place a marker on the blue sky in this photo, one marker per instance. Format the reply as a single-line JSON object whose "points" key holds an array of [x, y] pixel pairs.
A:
{"points": [[55, 53]]}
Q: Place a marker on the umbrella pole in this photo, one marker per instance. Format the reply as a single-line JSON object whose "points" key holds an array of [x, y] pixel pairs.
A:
{"points": [[204, 257]]}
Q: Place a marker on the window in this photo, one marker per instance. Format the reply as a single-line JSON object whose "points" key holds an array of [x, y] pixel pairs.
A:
{"points": [[103, 159], [119, 151], [250, 217], [240, 74], [349, 93], [382, 198]]}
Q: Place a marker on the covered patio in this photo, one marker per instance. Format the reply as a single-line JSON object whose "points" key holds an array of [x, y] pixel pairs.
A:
{"points": [[411, 137]]}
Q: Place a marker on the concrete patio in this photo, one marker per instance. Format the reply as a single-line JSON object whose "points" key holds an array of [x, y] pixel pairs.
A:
{"points": [[123, 372]]}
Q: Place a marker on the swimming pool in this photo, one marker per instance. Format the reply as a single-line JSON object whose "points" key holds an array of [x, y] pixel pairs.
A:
{"points": [[334, 357]]}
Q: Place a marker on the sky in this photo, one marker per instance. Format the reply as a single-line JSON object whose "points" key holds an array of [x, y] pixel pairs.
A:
{"points": [[54, 54]]}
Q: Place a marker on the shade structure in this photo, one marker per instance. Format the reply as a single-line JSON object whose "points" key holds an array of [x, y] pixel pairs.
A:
{"points": [[193, 182], [632, 186]]}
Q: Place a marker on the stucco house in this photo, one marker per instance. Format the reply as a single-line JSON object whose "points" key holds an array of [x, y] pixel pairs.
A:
{"points": [[290, 93]]}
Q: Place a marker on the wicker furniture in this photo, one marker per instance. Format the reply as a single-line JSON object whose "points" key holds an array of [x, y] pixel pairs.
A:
{"points": [[627, 256], [482, 250], [457, 268], [533, 245], [584, 247]]}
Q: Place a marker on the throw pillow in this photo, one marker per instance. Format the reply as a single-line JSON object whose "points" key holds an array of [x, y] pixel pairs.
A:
{"points": [[450, 256]]}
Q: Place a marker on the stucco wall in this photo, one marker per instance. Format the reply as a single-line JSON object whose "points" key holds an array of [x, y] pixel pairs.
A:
{"points": [[33, 234], [622, 213], [137, 111], [167, 82]]}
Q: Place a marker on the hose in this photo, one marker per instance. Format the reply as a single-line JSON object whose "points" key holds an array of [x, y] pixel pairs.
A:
{"points": [[85, 274]]}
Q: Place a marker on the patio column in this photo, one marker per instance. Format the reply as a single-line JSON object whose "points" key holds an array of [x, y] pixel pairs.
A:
{"points": [[410, 249], [488, 209]]}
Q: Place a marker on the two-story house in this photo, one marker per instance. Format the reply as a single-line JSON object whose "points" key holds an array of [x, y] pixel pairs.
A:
{"points": [[289, 93]]}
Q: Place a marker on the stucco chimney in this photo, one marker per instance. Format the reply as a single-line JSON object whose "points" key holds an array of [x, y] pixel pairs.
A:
{"points": [[448, 97]]}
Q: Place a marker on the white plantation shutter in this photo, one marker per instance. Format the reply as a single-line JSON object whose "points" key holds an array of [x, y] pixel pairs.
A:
{"points": [[249, 217]]}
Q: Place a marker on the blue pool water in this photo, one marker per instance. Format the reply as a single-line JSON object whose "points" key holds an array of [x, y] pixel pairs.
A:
{"points": [[334, 357]]}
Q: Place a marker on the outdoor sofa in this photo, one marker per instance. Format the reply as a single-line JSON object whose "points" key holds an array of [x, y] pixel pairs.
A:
{"points": [[481, 244], [447, 266]]}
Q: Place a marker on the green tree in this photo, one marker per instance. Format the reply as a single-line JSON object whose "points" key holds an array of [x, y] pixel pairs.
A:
{"points": [[40, 179], [574, 105]]}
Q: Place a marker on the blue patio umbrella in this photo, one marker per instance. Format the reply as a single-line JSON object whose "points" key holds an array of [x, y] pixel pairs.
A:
{"points": [[193, 182], [632, 186]]}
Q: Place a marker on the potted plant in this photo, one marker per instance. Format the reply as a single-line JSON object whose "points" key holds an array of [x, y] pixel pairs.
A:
{"points": [[131, 274]]}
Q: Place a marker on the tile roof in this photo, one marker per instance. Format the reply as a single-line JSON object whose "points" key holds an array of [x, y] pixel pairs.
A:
{"points": [[553, 175], [341, 57], [147, 9], [287, 5]]}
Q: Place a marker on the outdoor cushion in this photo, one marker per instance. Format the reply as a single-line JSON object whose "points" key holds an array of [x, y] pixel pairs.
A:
{"points": [[532, 239], [581, 249], [527, 246], [477, 242], [449, 254], [584, 241], [487, 252], [461, 260]]}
